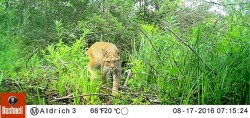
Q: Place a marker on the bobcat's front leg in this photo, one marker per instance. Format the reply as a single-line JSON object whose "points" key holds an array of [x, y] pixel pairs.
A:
{"points": [[104, 72], [92, 72], [116, 79]]}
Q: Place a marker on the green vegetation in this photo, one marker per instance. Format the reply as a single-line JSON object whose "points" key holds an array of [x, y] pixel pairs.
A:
{"points": [[177, 54]]}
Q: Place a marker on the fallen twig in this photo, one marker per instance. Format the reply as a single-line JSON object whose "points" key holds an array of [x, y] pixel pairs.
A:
{"points": [[72, 97]]}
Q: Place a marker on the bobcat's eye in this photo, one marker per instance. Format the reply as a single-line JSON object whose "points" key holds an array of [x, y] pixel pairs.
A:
{"points": [[108, 61]]}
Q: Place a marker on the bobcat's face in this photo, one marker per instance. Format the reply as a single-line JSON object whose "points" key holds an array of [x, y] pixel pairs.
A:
{"points": [[110, 60]]}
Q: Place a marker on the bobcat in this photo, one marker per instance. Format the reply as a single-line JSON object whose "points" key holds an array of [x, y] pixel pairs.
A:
{"points": [[105, 55]]}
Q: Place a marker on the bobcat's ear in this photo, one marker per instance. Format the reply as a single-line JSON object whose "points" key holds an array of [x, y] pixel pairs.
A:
{"points": [[117, 53], [104, 53]]}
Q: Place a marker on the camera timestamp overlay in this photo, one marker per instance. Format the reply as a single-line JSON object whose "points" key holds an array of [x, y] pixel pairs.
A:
{"points": [[131, 111]]}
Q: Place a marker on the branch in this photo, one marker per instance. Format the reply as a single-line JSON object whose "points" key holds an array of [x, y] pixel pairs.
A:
{"points": [[129, 75], [32, 54], [244, 3]]}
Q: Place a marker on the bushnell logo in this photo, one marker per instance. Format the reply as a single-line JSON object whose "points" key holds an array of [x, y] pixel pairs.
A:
{"points": [[12, 105]]}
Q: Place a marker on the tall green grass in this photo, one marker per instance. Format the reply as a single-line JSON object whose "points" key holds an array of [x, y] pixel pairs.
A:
{"points": [[12, 48], [162, 65]]}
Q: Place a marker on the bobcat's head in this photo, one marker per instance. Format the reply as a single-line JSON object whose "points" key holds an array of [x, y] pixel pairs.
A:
{"points": [[110, 59]]}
